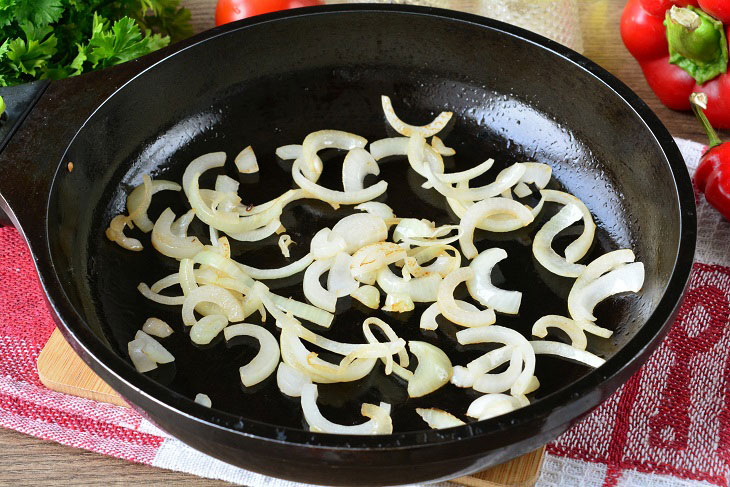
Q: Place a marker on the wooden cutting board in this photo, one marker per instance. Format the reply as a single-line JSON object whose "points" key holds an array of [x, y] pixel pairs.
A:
{"points": [[60, 369]]}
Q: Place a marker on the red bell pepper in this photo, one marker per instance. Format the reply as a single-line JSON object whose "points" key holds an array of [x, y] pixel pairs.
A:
{"points": [[681, 50], [713, 173]]}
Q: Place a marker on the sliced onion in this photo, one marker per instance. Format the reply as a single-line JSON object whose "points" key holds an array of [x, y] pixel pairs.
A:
{"points": [[462, 176], [226, 184], [566, 351], [453, 312], [507, 336], [542, 244], [428, 242], [339, 279], [419, 289], [427, 162], [203, 400], [165, 282], [265, 361], [325, 139], [258, 233], [336, 197], [232, 223], [199, 165], [379, 423], [153, 349], [223, 298], [157, 327], [358, 163], [403, 359], [413, 227], [577, 335], [246, 161], [325, 244], [583, 298], [372, 349], [398, 303], [481, 288], [496, 223], [360, 229], [223, 264], [433, 371], [211, 276], [115, 233], [207, 328], [145, 291], [503, 381], [313, 290], [375, 208], [505, 223], [180, 226], [443, 265], [138, 201], [228, 222], [490, 360], [438, 146], [295, 354], [603, 264], [536, 173], [261, 292], [522, 190], [284, 242], [580, 246], [467, 376], [290, 380], [302, 310], [371, 258], [394, 146], [492, 405], [439, 419], [367, 295], [140, 360], [278, 273], [169, 244], [506, 178], [428, 318], [478, 211], [407, 130], [289, 152]]}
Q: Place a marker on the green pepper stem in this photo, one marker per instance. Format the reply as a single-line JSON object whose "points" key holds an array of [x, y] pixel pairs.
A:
{"points": [[698, 102], [697, 43]]}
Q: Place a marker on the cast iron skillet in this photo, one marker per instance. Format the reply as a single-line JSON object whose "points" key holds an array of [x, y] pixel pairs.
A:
{"points": [[269, 81]]}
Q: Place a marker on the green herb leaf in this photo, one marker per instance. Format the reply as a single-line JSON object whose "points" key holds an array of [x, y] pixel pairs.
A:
{"points": [[31, 55], [59, 38], [38, 12]]}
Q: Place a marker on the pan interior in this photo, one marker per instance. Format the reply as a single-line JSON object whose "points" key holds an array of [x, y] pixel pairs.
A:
{"points": [[271, 84]]}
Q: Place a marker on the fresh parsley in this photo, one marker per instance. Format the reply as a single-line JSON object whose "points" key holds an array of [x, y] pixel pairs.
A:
{"points": [[53, 39]]}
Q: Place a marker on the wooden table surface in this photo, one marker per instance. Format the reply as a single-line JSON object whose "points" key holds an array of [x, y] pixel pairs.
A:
{"points": [[25, 460]]}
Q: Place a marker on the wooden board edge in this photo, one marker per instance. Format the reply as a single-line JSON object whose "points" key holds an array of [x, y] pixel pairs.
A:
{"points": [[519, 472]]}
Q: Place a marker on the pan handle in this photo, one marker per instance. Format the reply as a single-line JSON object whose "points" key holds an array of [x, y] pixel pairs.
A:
{"points": [[19, 101], [33, 149]]}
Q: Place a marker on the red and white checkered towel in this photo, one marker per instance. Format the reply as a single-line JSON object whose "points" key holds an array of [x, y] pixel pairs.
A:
{"points": [[668, 426]]}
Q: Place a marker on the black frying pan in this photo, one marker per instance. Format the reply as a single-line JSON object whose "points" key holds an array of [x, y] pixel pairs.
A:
{"points": [[269, 81]]}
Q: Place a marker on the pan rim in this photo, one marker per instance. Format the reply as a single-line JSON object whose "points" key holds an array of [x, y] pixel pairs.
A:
{"points": [[568, 398]]}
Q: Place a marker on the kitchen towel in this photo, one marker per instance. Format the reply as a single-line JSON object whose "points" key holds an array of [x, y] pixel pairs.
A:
{"points": [[669, 426]]}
